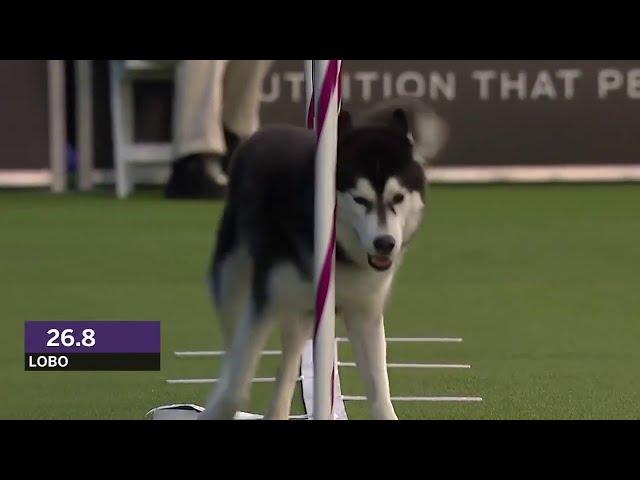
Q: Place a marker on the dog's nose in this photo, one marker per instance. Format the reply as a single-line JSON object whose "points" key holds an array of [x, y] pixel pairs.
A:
{"points": [[384, 244]]}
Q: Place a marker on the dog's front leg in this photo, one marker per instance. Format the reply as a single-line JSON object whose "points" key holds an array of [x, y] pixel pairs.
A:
{"points": [[366, 332]]}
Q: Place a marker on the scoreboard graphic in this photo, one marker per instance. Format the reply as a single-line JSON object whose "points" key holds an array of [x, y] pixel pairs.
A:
{"points": [[92, 346]]}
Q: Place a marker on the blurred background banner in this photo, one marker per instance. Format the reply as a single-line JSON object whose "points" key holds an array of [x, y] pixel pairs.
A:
{"points": [[503, 115], [506, 112]]}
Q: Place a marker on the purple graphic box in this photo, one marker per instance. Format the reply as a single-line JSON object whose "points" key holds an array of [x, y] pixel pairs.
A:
{"points": [[109, 337]]}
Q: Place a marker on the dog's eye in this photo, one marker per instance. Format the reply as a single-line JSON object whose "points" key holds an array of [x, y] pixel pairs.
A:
{"points": [[362, 201], [397, 198]]}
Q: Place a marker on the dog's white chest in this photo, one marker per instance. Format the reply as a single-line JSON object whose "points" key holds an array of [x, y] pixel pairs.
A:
{"points": [[361, 288], [289, 292]]}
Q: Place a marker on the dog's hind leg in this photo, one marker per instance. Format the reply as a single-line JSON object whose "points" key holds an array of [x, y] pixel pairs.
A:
{"points": [[240, 363], [230, 288], [295, 332]]}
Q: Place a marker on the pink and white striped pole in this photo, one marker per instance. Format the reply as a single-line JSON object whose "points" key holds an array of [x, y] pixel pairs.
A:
{"points": [[307, 364], [323, 112]]}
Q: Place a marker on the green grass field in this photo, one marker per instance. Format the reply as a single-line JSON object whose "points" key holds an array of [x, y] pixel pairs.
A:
{"points": [[541, 281]]}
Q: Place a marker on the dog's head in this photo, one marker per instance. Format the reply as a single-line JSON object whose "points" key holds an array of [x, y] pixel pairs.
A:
{"points": [[380, 191]]}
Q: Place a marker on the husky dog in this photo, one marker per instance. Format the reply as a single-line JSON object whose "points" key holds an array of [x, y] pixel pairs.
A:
{"points": [[262, 271]]}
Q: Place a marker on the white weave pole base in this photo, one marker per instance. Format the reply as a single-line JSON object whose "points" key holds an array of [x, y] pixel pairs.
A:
{"points": [[191, 412], [413, 365], [348, 398], [219, 353], [178, 381], [340, 399], [256, 416], [413, 339]]}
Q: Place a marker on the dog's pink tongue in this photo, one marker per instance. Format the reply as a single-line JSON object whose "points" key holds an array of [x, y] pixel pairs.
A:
{"points": [[381, 260]]}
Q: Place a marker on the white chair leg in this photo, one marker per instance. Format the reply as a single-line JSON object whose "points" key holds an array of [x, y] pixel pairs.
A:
{"points": [[84, 123], [122, 126]]}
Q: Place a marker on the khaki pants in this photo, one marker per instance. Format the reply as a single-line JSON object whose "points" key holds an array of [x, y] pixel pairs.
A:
{"points": [[211, 95]]}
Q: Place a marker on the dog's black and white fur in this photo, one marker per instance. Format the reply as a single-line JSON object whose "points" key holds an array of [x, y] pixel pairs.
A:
{"points": [[262, 272]]}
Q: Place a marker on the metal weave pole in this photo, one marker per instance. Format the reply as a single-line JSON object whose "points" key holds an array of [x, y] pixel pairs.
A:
{"points": [[325, 75]]}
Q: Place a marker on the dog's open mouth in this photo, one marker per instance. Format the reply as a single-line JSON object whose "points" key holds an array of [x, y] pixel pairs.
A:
{"points": [[380, 262]]}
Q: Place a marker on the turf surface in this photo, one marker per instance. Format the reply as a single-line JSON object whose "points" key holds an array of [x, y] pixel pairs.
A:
{"points": [[541, 281]]}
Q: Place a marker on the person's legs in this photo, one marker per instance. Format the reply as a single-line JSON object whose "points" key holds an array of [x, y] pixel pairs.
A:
{"points": [[217, 104], [197, 115], [198, 134], [242, 94]]}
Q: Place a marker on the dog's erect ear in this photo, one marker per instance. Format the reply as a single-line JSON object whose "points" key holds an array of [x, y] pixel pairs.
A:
{"points": [[345, 124], [400, 121]]}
